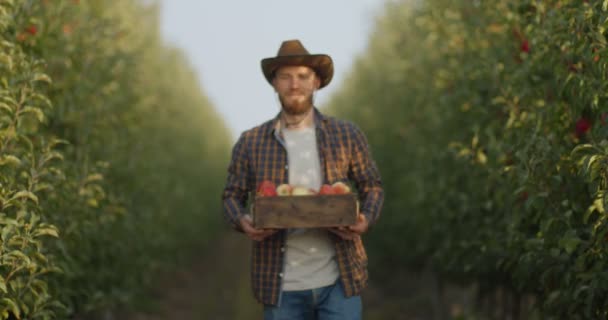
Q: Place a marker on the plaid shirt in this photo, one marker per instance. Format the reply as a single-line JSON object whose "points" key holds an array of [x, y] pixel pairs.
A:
{"points": [[344, 156]]}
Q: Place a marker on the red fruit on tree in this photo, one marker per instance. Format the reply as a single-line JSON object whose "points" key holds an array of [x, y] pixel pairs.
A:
{"points": [[582, 126], [523, 196], [32, 30], [21, 37], [525, 46], [67, 29]]}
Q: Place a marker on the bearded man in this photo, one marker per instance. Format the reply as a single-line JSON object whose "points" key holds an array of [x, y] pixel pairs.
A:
{"points": [[313, 273]]}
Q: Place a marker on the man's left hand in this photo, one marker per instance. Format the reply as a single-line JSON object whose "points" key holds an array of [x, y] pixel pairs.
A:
{"points": [[354, 231]]}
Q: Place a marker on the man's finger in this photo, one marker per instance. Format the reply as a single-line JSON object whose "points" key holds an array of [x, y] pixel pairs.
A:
{"points": [[357, 228], [247, 226], [262, 234], [360, 226]]}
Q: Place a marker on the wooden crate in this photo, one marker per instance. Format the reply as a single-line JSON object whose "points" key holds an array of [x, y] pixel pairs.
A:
{"points": [[308, 211]]}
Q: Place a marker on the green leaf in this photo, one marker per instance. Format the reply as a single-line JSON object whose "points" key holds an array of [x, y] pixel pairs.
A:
{"points": [[553, 296], [53, 155], [7, 108], [582, 149], [27, 142], [93, 178], [569, 242], [6, 231], [36, 111], [43, 186], [42, 98], [92, 202], [4, 220], [580, 290], [598, 205], [25, 194], [55, 142], [13, 306], [46, 231], [10, 160], [3, 284], [9, 100], [6, 60], [42, 77], [481, 157], [7, 44]]}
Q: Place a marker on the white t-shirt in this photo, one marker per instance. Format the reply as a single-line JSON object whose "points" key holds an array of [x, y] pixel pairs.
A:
{"points": [[310, 256]]}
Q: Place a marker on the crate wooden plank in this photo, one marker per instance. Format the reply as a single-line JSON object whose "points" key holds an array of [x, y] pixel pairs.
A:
{"points": [[308, 211]]}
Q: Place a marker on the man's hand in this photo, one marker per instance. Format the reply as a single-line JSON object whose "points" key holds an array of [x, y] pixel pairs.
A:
{"points": [[253, 233], [354, 231]]}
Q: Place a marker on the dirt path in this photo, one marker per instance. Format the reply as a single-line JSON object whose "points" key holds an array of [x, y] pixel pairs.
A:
{"points": [[215, 287]]}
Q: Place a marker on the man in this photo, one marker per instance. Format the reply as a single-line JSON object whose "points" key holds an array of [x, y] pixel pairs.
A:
{"points": [[304, 273]]}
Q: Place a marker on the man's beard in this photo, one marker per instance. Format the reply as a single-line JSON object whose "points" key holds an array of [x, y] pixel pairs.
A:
{"points": [[297, 108]]}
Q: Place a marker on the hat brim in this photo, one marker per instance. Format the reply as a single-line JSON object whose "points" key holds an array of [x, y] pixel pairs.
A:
{"points": [[320, 63]]}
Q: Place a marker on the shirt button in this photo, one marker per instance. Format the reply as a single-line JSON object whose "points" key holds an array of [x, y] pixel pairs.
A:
{"points": [[286, 167], [282, 249], [280, 275]]}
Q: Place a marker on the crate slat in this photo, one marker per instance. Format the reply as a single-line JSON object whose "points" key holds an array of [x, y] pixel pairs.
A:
{"points": [[309, 211]]}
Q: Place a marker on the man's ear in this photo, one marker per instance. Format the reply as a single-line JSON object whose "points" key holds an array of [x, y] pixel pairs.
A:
{"points": [[317, 82]]}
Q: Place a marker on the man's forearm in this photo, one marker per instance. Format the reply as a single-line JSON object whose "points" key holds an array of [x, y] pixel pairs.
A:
{"points": [[234, 209], [371, 203]]}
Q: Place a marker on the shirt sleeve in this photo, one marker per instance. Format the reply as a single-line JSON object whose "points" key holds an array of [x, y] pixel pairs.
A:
{"points": [[236, 192], [366, 176]]}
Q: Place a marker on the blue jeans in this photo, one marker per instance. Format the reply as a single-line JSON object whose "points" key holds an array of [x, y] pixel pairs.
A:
{"points": [[325, 303]]}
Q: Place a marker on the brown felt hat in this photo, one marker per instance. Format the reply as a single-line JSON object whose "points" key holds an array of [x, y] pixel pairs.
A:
{"points": [[293, 53]]}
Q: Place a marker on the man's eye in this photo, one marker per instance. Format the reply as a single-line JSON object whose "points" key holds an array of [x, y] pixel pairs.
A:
{"points": [[307, 76]]}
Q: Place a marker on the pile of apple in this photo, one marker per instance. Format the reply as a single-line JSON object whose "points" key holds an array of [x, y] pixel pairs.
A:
{"points": [[269, 189]]}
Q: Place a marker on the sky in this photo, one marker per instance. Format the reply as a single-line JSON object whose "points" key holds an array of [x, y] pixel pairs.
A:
{"points": [[226, 40]]}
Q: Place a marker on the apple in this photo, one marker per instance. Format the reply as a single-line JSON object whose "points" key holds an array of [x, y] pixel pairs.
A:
{"points": [[284, 189], [301, 191], [340, 188], [326, 189], [267, 189]]}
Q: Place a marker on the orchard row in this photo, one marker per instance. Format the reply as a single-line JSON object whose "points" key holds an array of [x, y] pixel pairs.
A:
{"points": [[105, 177], [488, 120]]}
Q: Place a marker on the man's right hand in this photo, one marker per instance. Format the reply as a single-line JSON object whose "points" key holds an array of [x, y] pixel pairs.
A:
{"points": [[252, 232]]}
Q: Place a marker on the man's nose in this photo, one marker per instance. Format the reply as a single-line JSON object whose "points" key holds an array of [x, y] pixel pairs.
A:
{"points": [[294, 83]]}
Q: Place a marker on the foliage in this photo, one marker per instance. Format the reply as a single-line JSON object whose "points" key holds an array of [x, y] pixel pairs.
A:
{"points": [[489, 123], [105, 173]]}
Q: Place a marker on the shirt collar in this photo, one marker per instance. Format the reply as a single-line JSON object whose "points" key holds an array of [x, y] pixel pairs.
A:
{"points": [[275, 124]]}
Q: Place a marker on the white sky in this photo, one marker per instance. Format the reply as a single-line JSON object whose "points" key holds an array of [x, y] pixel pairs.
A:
{"points": [[226, 39]]}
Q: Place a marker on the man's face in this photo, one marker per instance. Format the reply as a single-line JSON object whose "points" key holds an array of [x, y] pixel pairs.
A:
{"points": [[295, 86]]}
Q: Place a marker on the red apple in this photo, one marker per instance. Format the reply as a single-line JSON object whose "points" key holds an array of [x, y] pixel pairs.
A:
{"points": [[267, 189], [340, 188], [326, 189], [284, 189], [31, 30]]}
